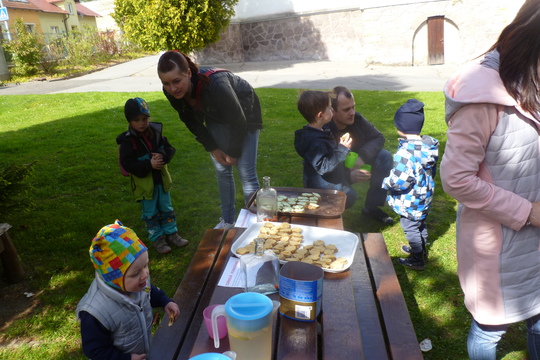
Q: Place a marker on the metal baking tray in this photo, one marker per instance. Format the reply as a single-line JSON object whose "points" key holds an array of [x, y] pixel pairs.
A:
{"points": [[332, 203]]}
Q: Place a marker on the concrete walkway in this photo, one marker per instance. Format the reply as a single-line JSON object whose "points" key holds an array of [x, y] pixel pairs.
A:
{"points": [[141, 75]]}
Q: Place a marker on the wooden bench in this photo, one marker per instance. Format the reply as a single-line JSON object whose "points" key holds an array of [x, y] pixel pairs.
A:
{"points": [[395, 328], [13, 269]]}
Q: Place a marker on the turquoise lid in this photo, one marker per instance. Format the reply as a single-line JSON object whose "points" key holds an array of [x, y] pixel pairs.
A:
{"points": [[210, 356], [249, 311]]}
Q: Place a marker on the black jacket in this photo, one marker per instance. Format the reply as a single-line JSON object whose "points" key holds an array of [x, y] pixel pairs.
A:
{"points": [[228, 100], [367, 141], [136, 152]]}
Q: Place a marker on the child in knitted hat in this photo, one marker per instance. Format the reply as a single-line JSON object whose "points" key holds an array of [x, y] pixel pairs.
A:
{"points": [[116, 312], [144, 154], [410, 182]]}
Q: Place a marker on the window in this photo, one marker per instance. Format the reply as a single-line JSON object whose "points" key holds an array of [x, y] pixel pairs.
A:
{"points": [[29, 27], [55, 29], [70, 9]]}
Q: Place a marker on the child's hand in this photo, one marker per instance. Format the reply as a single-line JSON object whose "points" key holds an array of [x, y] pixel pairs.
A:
{"points": [[346, 140], [157, 161], [138, 356], [172, 310]]}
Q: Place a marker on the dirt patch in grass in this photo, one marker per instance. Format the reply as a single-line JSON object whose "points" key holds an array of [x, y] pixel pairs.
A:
{"points": [[15, 305]]}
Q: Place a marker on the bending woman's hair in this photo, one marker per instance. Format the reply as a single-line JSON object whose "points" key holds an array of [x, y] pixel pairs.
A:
{"points": [[176, 60], [519, 49]]}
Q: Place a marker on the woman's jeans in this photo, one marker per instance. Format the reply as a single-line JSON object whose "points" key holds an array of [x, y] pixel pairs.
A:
{"points": [[483, 339], [247, 171]]}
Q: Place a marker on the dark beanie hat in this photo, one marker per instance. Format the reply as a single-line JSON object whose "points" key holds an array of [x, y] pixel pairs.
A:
{"points": [[135, 107], [409, 118]]}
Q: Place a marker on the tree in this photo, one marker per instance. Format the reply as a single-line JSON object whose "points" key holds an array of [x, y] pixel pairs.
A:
{"points": [[184, 25]]}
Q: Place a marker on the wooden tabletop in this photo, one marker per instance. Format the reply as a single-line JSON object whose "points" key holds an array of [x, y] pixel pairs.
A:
{"points": [[363, 315]]}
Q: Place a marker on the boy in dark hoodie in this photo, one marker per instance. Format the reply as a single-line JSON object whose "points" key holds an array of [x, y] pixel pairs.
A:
{"points": [[323, 158]]}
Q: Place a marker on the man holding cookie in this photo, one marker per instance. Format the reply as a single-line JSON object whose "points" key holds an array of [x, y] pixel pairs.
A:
{"points": [[368, 143]]}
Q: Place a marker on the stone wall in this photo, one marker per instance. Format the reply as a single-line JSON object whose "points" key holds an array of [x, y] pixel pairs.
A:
{"points": [[389, 35]]}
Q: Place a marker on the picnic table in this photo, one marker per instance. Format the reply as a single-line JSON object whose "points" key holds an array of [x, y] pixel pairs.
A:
{"points": [[364, 315]]}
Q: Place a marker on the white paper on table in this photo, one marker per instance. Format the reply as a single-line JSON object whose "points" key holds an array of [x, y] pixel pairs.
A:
{"points": [[233, 276], [245, 219]]}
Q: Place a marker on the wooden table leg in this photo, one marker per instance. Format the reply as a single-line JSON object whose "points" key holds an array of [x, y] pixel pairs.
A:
{"points": [[10, 260]]}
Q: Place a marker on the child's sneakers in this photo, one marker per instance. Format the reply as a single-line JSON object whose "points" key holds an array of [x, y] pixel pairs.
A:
{"points": [[175, 239], [406, 249], [161, 245], [414, 261]]}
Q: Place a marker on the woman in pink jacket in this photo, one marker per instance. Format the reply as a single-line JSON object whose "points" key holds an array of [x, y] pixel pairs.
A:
{"points": [[491, 165]]}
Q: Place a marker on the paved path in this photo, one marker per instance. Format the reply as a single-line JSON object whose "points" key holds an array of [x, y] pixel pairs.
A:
{"points": [[140, 75]]}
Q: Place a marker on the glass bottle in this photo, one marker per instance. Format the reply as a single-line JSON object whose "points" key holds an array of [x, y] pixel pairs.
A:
{"points": [[266, 202], [261, 269]]}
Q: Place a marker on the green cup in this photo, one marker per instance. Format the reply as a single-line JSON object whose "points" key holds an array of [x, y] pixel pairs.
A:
{"points": [[366, 167], [350, 160]]}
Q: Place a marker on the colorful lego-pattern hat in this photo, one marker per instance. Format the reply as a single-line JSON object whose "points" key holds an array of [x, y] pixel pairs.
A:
{"points": [[135, 107], [113, 250]]}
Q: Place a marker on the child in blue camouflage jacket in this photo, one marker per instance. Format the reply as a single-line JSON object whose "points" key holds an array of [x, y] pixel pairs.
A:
{"points": [[410, 183]]}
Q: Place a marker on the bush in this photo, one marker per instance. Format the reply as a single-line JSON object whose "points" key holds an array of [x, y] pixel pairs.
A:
{"points": [[13, 190], [86, 47], [25, 50]]}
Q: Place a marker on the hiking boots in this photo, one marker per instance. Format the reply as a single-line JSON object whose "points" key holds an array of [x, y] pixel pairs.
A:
{"points": [[175, 239], [161, 245], [414, 261], [378, 215]]}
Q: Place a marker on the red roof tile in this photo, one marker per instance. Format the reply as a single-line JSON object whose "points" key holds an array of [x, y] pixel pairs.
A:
{"points": [[36, 5]]}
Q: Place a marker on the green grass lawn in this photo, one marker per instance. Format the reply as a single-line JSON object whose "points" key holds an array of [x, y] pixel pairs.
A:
{"points": [[78, 189]]}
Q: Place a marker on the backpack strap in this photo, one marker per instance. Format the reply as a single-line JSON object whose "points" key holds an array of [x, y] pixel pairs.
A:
{"points": [[199, 84]]}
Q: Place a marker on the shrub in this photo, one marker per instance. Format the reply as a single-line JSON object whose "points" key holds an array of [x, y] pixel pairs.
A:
{"points": [[13, 190], [25, 50]]}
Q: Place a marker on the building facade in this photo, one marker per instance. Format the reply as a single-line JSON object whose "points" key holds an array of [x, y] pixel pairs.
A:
{"points": [[388, 32], [47, 17]]}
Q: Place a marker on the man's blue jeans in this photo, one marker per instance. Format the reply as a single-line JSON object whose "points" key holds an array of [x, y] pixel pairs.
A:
{"points": [[247, 171], [483, 339]]}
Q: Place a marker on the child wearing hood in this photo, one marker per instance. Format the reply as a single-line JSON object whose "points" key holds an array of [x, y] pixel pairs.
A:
{"points": [[411, 181], [116, 312]]}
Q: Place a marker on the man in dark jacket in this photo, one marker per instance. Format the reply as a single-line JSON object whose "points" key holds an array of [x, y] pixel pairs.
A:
{"points": [[368, 143]]}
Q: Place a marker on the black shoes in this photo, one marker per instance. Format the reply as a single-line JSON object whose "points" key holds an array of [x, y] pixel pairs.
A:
{"points": [[378, 215], [414, 261]]}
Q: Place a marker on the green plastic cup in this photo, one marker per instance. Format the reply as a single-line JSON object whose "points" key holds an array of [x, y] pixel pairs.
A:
{"points": [[350, 160], [366, 167]]}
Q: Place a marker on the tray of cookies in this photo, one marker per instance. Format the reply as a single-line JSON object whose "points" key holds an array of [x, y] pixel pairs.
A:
{"points": [[332, 250], [306, 202]]}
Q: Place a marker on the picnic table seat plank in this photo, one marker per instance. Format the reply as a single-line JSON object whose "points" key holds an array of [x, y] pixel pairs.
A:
{"points": [[367, 309], [167, 339], [402, 341]]}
